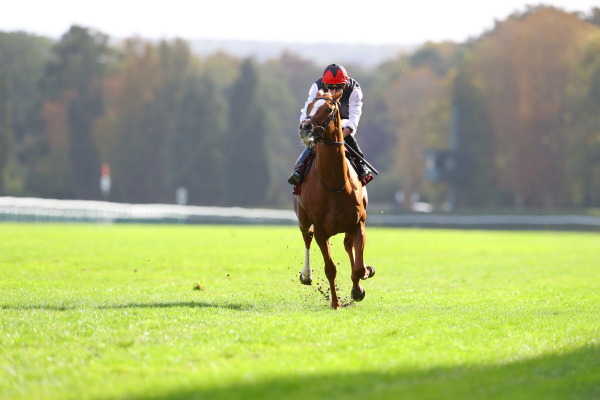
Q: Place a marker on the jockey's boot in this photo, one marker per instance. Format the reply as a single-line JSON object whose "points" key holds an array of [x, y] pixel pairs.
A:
{"points": [[361, 168], [297, 175]]}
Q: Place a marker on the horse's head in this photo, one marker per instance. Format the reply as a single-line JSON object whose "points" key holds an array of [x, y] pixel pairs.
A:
{"points": [[320, 114]]}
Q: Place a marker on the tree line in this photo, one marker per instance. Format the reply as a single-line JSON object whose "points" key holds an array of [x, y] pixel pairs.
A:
{"points": [[507, 119]]}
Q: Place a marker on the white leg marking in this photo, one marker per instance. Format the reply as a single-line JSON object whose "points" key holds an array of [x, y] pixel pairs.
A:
{"points": [[306, 271]]}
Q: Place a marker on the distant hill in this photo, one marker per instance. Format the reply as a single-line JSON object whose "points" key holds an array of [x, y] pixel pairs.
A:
{"points": [[361, 55]]}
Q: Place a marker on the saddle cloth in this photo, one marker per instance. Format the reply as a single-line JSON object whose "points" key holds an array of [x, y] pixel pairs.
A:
{"points": [[306, 167]]}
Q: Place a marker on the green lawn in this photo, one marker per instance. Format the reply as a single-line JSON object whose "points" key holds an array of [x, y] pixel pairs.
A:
{"points": [[110, 312]]}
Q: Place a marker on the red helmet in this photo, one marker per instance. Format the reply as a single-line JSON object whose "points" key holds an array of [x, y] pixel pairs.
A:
{"points": [[335, 74]]}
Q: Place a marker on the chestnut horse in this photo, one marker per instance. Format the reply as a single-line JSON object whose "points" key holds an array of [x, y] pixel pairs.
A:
{"points": [[332, 200]]}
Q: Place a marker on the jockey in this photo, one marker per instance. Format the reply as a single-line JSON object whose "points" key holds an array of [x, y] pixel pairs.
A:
{"points": [[336, 79]]}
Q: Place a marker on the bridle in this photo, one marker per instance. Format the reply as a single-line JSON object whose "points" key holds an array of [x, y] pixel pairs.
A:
{"points": [[319, 138]]}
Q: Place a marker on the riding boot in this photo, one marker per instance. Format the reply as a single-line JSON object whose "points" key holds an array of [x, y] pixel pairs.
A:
{"points": [[297, 175], [361, 168]]}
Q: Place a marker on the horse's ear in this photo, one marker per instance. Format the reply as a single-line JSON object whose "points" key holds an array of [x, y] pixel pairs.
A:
{"points": [[337, 95]]}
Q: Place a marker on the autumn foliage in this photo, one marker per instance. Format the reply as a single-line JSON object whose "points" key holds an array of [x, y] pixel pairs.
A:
{"points": [[516, 108]]}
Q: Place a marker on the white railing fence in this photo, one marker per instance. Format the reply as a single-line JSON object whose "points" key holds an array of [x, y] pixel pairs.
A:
{"points": [[50, 210], [20, 209]]}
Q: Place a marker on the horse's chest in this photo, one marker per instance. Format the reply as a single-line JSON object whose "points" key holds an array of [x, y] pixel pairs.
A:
{"points": [[339, 218]]}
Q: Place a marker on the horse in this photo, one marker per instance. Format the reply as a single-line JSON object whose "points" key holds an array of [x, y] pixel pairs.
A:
{"points": [[332, 200]]}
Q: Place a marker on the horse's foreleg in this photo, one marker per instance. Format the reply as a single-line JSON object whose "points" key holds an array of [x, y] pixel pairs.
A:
{"points": [[330, 269], [306, 275], [349, 247], [359, 270], [307, 234]]}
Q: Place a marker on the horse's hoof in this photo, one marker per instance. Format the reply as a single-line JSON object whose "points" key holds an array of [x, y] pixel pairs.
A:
{"points": [[358, 295], [371, 271], [305, 281]]}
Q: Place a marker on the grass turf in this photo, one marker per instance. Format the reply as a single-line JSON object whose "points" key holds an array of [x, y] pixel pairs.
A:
{"points": [[109, 312]]}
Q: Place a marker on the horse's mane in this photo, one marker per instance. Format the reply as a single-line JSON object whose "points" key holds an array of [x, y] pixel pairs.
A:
{"points": [[322, 93]]}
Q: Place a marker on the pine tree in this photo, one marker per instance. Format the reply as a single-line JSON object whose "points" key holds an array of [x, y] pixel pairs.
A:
{"points": [[75, 75], [195, 153], [246, 164], [6, 133]]}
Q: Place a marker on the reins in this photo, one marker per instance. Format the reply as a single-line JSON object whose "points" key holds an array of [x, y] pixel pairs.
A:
{"points": [[340, 190]]}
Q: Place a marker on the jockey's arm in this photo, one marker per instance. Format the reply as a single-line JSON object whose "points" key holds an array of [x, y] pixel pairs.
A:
{"points": [[354, 110], [312, 93]]}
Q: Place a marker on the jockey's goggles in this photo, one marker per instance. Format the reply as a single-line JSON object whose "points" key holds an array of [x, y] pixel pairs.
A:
{"points": [[334, 86]]}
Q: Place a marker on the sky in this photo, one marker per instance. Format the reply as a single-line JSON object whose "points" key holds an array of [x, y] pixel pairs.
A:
{"points": [[374, 22]]}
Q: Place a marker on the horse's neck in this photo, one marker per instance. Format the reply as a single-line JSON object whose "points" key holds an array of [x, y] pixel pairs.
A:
{"points": [[331, 160]]}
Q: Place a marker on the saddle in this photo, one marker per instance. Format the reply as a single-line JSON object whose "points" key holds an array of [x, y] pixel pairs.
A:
{"points": [[306, 167]]}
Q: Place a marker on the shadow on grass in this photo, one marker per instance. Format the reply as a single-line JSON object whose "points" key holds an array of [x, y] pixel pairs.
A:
{"points": [[189, 304], [571, 375], [165, 304]]}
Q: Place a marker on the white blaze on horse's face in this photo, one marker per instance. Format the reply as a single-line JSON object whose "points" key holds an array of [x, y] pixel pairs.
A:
{"points": [[316, 106]]}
